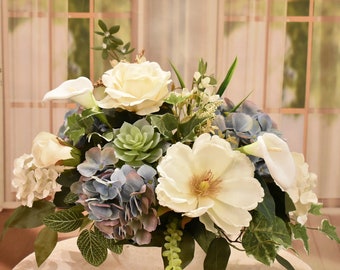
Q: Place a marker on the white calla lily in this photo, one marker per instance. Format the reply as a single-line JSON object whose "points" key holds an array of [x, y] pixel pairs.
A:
{"points": [[79, 90], [277, 157]]}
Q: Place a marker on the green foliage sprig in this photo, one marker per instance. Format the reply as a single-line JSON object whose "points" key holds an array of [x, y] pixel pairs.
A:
{"points": [[112, 46]]}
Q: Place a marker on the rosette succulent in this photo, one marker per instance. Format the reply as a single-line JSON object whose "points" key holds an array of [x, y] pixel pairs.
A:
{"points": [[137, 143]]}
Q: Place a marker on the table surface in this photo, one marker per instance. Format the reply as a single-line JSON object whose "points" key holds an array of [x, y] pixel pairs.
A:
{"points": [[66, 256]]}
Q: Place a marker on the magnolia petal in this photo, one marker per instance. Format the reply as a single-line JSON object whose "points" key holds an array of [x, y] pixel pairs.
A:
{"points": [[169, 196], [229, 219], [204, 204], [244, 193], [208, 223]]}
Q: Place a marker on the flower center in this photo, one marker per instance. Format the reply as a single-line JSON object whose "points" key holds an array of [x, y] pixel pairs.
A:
{"points": [[205, 184]]}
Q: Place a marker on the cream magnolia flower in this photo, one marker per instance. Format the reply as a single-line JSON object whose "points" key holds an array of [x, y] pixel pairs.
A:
{"points": [[47, 150], [210, 181], [136, 87], [79, 90], [277, 157], [302, 194], [33, 183]]}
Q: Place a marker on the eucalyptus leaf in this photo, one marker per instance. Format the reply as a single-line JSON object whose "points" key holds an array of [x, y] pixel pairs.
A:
{"points": [[218, 255], [91, 248], [65, 220], [29, 217], [44, 244]]}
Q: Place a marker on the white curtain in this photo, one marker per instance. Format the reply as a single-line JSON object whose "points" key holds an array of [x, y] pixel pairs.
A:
{"points": [[35, 46]]}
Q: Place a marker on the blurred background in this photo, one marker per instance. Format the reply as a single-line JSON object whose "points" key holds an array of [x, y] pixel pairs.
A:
{"points": [[288, 55]]}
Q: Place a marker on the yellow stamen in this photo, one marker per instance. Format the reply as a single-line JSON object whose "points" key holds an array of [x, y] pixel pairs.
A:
{"points": [[205, 184]]}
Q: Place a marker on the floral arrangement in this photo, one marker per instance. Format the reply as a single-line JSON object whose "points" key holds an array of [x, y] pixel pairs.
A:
{"points": [[140, 161]]}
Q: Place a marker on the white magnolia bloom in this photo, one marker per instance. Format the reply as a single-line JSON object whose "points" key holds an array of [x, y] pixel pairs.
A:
{"points": [[302, 194], [79, 90], [277, 157], [47, 150], [210, 181], [33, 183], [136, 87]]}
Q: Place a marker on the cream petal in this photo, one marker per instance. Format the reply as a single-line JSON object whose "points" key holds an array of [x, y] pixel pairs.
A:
{"points": [[176, 166], [208, 223], [168, 195], [223, 214], [204, 203], [244, 193]]}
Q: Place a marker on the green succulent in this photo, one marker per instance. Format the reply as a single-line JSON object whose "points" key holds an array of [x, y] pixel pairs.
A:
{"points": [[137, 143]]}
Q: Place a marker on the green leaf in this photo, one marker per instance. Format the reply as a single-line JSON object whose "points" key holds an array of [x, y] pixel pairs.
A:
{"points": [[91, 248], [284, 262], [300, 232], [202, 66], [71, 198], [218, 255], [102, 25], [25, 217], [68, 177], [280, 233], [181, 82], [114, 29], [257, 239], [202, 236], [111, 244], [44, 244], [187, 246], [289, 204], [267, 206], [315, 209], [240, 103], [227, 79], [329, 230], [65, 220], [166, 124]]}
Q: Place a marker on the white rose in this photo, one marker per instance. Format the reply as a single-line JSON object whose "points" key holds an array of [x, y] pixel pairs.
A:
{"points": [[135, 87], [78, 90], [47, 150], [277, 157]]}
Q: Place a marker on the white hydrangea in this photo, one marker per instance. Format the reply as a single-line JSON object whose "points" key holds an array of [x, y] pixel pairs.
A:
{"points": [[34, 183], [302, 194]]}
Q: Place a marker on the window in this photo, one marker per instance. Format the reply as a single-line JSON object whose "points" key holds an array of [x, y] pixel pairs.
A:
{"points": [[287, 54], [289, 57], [43, 44]]}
